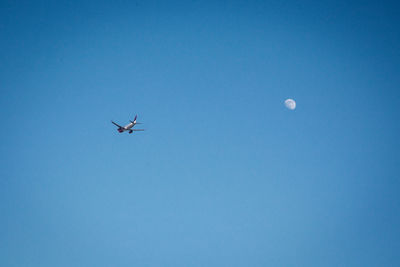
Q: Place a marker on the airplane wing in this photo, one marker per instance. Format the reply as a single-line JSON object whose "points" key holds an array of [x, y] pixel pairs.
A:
{"points": [[137, 130], [117, 124]]}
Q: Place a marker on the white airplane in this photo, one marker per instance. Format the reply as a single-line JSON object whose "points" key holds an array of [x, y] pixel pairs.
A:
{"points": [[128, 127]]}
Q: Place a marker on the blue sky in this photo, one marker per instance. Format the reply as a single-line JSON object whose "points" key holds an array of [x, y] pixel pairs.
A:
{"points": [[224, 175]]}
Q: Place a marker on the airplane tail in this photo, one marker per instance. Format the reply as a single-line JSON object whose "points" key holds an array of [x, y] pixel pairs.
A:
{"points": [[134, 120]]}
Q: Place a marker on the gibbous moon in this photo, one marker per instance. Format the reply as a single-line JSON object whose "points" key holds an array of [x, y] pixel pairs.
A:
{"points": [[290, 104]]}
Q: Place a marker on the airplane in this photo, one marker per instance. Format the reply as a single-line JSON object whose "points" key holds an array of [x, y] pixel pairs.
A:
{"points": [[128, 127]]}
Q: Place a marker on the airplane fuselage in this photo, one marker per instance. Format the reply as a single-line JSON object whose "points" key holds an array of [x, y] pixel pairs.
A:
{"points": [[126, 127]]}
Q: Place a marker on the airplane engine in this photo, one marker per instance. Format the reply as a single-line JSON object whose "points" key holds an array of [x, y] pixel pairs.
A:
{"points": [[130, 131]]}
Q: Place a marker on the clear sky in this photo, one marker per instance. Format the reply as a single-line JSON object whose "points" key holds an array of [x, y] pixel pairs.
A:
{"points": [[224, 174]]}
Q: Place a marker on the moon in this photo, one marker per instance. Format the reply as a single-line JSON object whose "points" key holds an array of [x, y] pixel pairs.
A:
{"points": [[290, 104]]}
